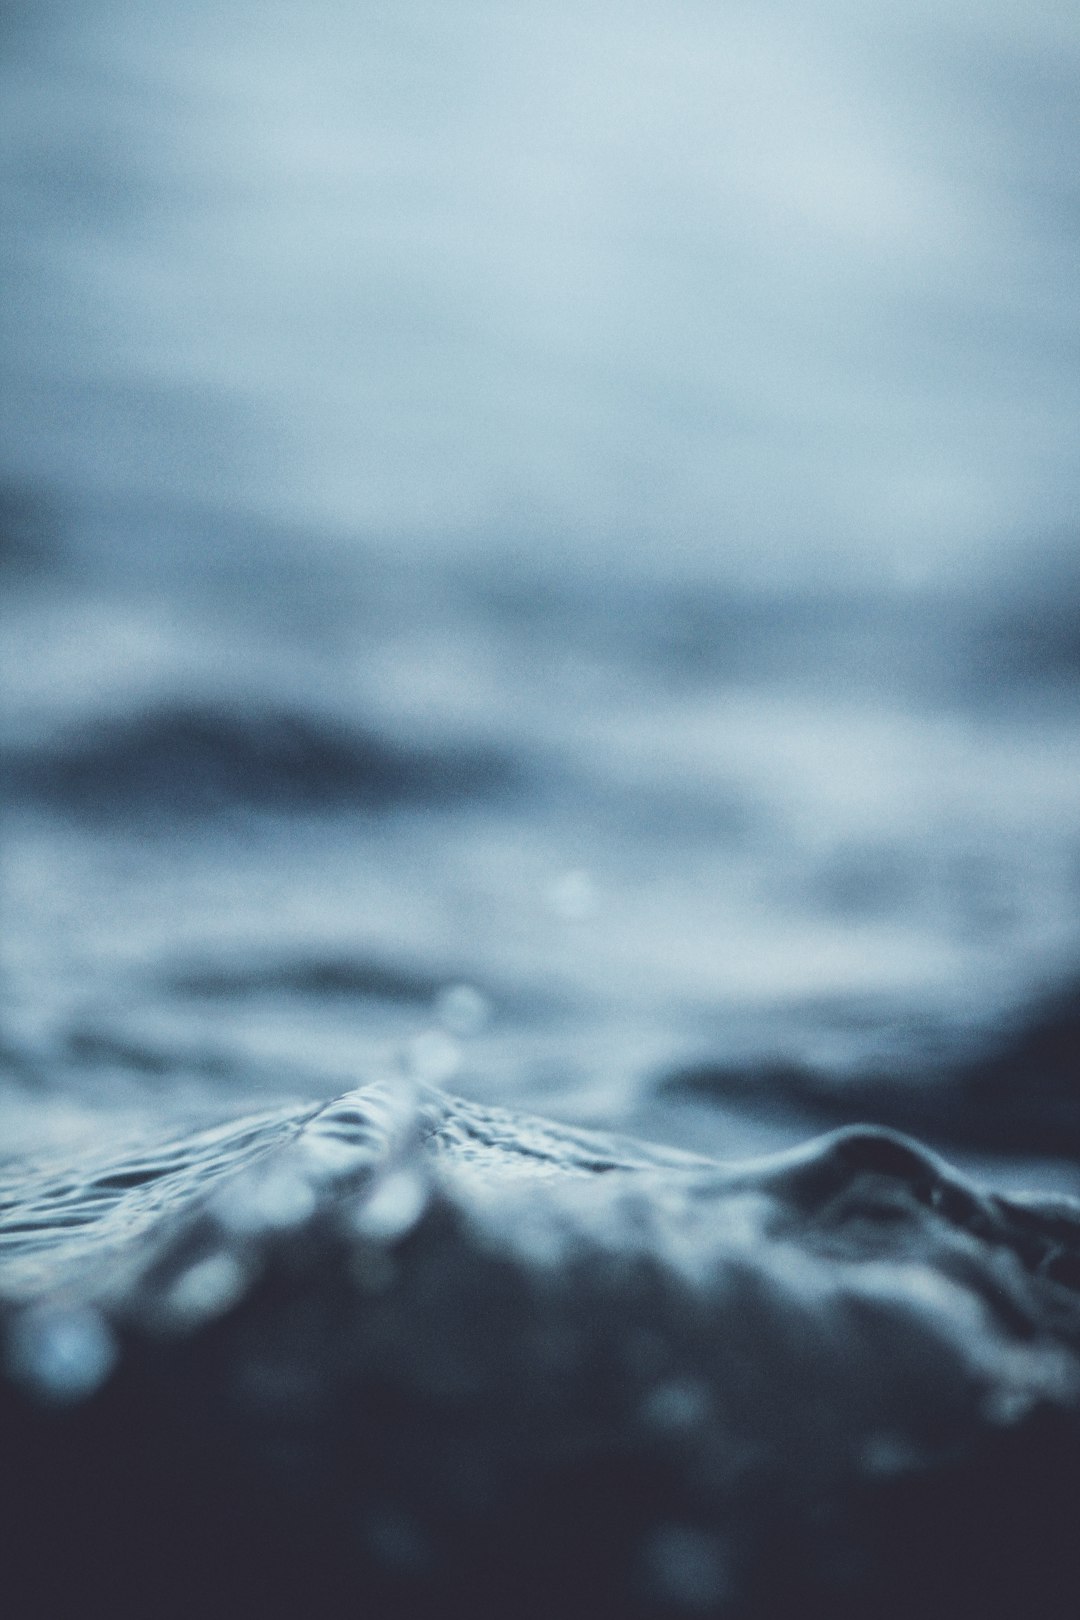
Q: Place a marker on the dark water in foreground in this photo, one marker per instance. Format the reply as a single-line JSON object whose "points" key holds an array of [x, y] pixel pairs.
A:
{"points": [[407, 1355], [537, 563]]}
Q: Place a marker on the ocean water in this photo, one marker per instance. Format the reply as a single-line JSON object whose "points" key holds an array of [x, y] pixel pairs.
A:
{"points": [[575, 508], [538, 558], [427, 1357]]}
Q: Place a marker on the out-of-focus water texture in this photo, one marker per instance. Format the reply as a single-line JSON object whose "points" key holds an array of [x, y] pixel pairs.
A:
{"points": [[539, 549], [538, 560]]}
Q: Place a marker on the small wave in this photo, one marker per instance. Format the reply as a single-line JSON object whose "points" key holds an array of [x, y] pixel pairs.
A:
{"points": [[355, 976], [1014, 1091], [181, 761], [406, 1355]]}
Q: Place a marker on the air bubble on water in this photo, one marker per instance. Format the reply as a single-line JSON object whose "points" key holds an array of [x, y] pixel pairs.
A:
{"points": [[394, 1206], [572, 896], [461, 1010], [885, 1455], [433, 1057], [207, 1288], [275, 1201], [688, 1568], [679, 1403], [64, 1354], [1006, 1407]]}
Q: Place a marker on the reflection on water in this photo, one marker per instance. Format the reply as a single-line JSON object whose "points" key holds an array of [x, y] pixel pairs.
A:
{"points": [[572, 504]]}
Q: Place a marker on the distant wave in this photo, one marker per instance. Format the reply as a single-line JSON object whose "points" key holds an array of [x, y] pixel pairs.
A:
{"points": [[1017, 1091], [186, 760], [407, 1356], [343, 975]]}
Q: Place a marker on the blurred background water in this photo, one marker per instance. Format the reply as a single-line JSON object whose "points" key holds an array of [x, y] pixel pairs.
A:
{"points": [[539, 548]]}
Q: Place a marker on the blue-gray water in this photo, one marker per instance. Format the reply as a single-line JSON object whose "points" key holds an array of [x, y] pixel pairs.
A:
{"points": [[406, 1355], [539, 557]]}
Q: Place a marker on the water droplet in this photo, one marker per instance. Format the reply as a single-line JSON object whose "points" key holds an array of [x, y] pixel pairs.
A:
{"points": [[688, 1568], [207, 1288], [64, 1354], [394, 1206], [885, 1454], [682, 1403], [572, 896], [462, 1010], [1007, 1407], [274, 1201], [433, 1056]]}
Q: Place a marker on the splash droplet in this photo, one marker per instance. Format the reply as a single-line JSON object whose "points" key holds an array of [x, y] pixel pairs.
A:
{"points": [[681, 1403], [572, 896], [393, 1207], [63, 1354], [688, 1568], [433, 1057], [275, 1202], [461, 1010], [207, 1288]]}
